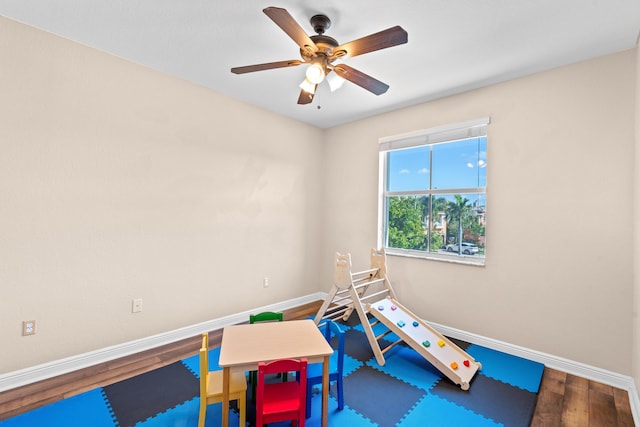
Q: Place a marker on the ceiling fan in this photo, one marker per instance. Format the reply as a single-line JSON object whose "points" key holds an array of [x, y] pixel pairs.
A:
{"points": [[321, 53]]}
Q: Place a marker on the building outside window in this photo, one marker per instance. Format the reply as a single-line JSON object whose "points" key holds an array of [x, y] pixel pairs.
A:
{"points": [[433, 186]]}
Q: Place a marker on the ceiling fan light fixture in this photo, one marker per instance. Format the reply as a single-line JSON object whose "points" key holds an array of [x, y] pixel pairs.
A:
{"points": [[315, 73], [335, 81], [308, 86]]}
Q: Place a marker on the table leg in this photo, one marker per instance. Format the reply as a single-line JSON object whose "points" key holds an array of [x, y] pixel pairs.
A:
{"points": [[325, 392], [225, 397]]}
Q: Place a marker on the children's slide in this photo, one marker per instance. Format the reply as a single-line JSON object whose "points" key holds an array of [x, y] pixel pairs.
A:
{"points": [[356, 291], [443, 354]]}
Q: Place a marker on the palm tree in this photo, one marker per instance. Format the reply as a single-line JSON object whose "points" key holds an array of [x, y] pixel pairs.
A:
{"points": [[438, 208], [459, 210]]}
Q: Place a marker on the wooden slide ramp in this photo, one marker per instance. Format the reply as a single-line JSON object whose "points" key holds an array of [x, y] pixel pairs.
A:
{"points": [[369, 293]]}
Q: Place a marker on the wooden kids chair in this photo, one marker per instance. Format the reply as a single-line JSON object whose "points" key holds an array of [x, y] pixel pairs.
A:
{"points": [[211, 386], [281, 401]]}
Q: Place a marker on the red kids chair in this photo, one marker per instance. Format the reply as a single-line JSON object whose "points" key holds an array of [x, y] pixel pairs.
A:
{"points": [[281, 401]]}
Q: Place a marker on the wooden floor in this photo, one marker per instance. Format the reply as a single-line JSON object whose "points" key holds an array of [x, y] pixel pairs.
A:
{"points": [[564, 400], [568, 400]]}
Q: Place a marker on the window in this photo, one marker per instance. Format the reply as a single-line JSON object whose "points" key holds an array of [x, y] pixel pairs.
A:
{"points": [[433, 187]]}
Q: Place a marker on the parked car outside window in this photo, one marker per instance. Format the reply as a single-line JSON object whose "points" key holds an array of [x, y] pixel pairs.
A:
{"points": [[467, 248]]}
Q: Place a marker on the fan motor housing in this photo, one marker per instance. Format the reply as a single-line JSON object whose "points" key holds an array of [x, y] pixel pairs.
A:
{"points": [[325, 46], [320, 23]]}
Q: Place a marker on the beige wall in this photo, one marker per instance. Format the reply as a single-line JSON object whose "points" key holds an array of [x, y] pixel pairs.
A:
{"points": [[117, 182], [559, 271]]}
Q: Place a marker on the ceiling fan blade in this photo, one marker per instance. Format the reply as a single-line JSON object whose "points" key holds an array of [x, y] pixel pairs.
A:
{"points": [[265, 66], [361, 79], [284, 20], [305, 97], [381, 40]]}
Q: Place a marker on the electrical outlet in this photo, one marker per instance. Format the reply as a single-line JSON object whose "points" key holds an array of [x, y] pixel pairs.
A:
{"points": [[136, 305], [28, 327], [265, 282]]}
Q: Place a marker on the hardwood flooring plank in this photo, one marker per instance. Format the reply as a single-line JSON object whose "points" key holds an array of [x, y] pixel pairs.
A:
{"points": [[554, 380], [602, 409], [548, 411], [600, 388], [623, 408], [575, 411]]}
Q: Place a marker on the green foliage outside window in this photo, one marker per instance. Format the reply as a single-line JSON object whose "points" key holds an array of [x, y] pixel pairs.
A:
{"points": [[406, 226]]}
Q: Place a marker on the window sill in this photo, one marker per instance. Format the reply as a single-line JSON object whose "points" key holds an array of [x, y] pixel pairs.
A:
{"points": [[474, 260]]}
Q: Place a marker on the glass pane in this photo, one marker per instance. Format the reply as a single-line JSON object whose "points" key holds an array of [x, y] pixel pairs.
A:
{"points": [[406, 224], [408, 169], [460, 164], [438, 224], [464, 221]]}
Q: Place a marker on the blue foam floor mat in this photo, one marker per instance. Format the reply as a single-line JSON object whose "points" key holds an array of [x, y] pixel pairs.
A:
{"points": [[406, 392]]}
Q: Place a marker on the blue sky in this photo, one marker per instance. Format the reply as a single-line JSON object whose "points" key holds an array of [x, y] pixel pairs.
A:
{"points": [[455, 165]]}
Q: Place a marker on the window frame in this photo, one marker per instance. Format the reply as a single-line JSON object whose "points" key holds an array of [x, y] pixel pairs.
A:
{"points": [[440, 134]]}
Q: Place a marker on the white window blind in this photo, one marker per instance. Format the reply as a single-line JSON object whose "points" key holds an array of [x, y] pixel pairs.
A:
{"points": [[451, 132]]}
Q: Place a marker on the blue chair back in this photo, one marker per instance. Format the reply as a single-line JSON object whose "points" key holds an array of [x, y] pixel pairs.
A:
{"points": [[333, 332], [335, 337]]}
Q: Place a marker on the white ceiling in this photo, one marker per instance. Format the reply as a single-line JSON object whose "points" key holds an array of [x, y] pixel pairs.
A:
{"points": [[454, 45]]}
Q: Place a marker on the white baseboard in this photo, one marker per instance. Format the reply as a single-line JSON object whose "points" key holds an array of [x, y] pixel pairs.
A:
{"points": [[603, 376], [52, 369], [58, 367]]}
